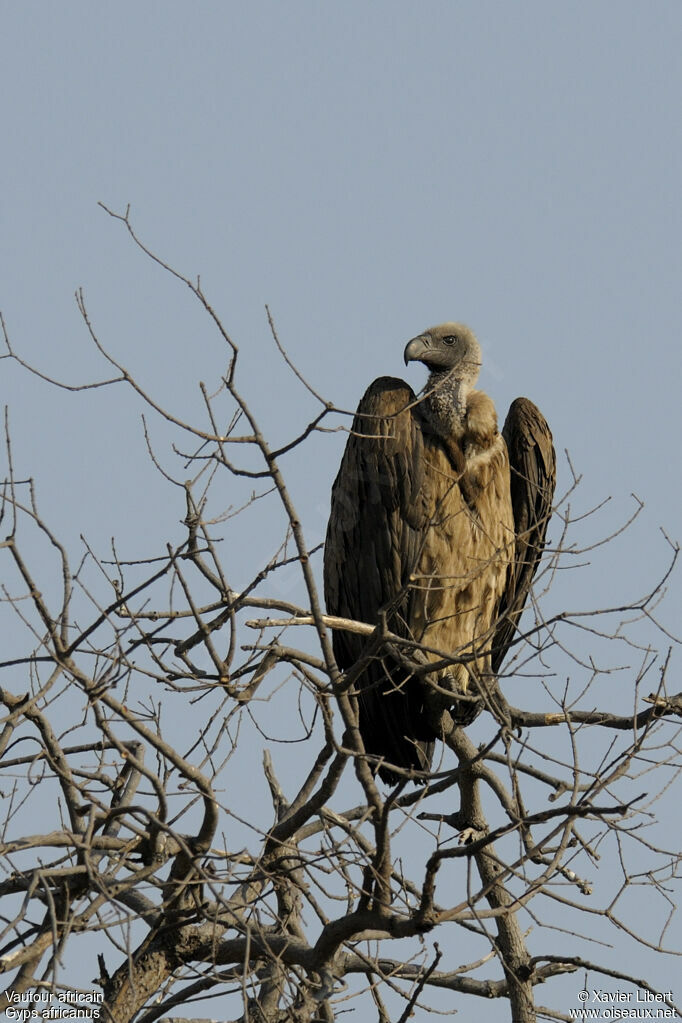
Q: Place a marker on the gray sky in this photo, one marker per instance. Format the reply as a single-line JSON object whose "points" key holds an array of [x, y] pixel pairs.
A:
{"points": [[367, 169]]}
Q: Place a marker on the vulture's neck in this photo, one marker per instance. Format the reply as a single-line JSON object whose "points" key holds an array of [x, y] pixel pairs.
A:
{"points": [[446, 402]]}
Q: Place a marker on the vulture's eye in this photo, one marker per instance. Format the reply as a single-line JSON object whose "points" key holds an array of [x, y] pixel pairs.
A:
{"points": [[450, 339]]}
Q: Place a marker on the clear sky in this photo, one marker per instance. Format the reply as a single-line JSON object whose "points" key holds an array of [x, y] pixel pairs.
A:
{"points": [[366, 169]]}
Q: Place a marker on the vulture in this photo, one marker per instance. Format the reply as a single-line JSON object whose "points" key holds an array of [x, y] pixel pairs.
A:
{"points": [[436, 528]]}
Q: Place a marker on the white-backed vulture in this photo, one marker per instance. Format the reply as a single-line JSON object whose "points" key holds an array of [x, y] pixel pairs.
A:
{"points": [[429, 527]]}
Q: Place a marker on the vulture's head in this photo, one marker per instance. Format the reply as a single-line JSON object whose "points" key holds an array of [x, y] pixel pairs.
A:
{"points": [[449, 348]]}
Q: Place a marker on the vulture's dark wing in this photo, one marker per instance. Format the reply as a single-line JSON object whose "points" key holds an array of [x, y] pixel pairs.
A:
{"points": [[375, 531], [532, 463]]}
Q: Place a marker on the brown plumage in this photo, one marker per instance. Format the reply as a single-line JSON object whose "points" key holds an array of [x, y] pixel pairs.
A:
{"points": [[427, 526]]}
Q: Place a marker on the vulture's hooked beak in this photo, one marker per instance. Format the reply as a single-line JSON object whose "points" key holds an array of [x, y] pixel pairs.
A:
{"points": [[417, 348]]}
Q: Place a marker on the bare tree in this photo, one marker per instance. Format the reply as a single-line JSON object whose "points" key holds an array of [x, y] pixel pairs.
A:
{"points": [[144, 691]]}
